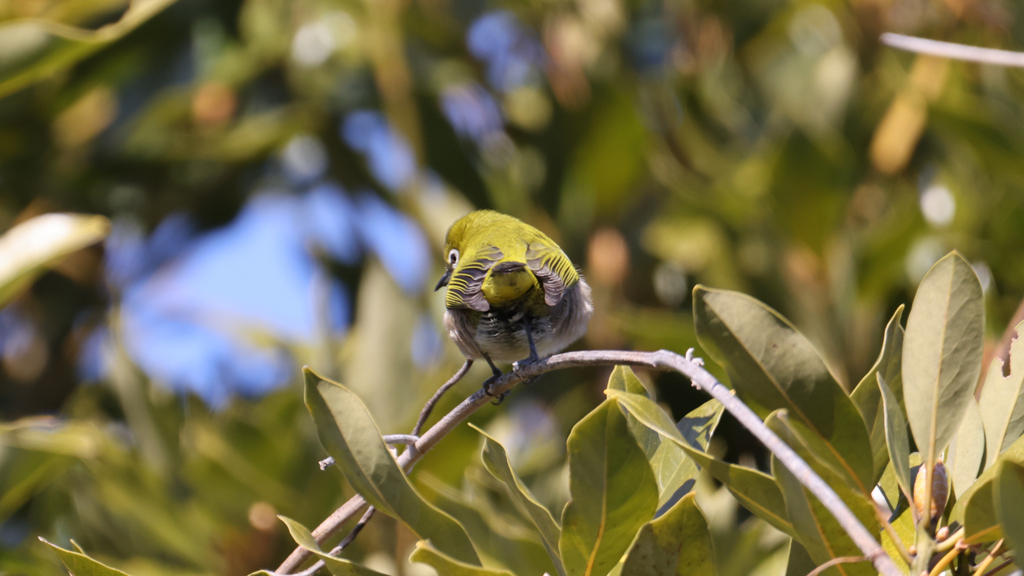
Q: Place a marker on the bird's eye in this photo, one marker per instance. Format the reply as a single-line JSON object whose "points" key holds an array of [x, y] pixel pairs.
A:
{"points": [[453, 256]]}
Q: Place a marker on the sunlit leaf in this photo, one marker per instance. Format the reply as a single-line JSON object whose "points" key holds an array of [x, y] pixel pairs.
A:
{"points": [[905, 530], [942, 353], [1002, 401], [28, 248], [866, 395], [772, 366], [496, 460], [975, 509], [613, 492], [448, 566], [337, 566], [898, 445], [1009, 502], [677, 542], [348, 433], [79, 564], [967, 450]]}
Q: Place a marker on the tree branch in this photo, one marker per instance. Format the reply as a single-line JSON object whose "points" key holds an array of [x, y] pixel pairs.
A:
{"points": [[660, 360], [954, 51]]}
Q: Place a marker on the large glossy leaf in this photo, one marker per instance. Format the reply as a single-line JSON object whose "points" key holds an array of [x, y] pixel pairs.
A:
{"points": [[866, 395], [35, 49], [79, 564], [816, 529], [755, 490], [1009, 503], [942, 353], [613, 492], [448, 566], [897, 443], [348, 433], [336, 566], [772, 366], [497, 463], [28, 248], [967, 450], [676, 543], [975, 509], [671, 467], [1002, 401]]}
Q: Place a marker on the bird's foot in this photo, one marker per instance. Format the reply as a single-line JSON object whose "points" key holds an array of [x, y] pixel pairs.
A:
{"points": [[523, 364], [489, 390]]}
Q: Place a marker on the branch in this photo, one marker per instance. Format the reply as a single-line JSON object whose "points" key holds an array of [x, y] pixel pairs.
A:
{"points": [[660, 360], [954, 51]]}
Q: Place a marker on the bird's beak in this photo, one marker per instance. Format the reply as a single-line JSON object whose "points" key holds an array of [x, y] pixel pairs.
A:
{"points": [[443, 281]]}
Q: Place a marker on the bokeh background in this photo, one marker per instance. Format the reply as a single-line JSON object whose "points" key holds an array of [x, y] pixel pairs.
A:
{"points": [[279, 176]]}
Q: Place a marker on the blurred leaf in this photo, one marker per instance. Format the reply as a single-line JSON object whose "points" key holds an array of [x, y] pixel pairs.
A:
{"points": [[942, 353], [613, 492], [337, 566], [799, 562], [496, 460], [1002, 401], [967, 450], [1009, 503], [815, 526], [648, 422], [34, 49], [448, 566], [78, 564], [348, 433], [975, 509], [866, 395], [772, 366], [896, 436], [677, 542], [31, 246]]}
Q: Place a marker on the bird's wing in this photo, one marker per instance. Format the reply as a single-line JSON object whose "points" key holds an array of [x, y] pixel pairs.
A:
{"points": [[464, 287], [553, 269]]}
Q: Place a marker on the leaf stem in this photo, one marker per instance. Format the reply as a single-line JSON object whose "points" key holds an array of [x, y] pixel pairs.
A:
{"points": [[661, 360], [988, 561]]}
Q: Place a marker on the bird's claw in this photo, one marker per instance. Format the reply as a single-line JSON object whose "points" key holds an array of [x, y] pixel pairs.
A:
{"points": [[499, 398]]}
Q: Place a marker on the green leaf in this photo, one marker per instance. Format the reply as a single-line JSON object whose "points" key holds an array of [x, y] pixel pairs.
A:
{"points": [[942, 353], [446, 565], [1002, 401], [896, 437], [30, 247], [755, 490], [648, 422], [975, 509], [866, 395], [905, 530], [967, 450], [497, 463], [624, 380], [816, 529], [336, 566], [1009, 503], [799, 562], [78, 564], [613, 492], [676, 543], [772, 366], [35, 49], [348, 433]]}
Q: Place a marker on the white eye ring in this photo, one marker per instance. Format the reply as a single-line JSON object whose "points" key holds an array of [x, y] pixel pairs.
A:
{"points": [[453, 256]]}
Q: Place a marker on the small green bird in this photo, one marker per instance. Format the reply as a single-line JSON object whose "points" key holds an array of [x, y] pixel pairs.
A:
{"points": [[512, 293]]}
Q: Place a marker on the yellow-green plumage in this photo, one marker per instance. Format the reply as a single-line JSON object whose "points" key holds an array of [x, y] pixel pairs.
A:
{"points": [[504, 276]]}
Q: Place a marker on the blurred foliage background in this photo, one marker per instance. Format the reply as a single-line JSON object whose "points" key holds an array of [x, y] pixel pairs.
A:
{"points": [[279, 176]]}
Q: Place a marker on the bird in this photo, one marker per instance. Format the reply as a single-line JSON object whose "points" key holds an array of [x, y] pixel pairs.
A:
{"points": [[513, 296]]}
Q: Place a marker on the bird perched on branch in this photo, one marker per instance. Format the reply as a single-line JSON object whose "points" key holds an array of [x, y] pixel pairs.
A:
{"points": [[512, 293]]}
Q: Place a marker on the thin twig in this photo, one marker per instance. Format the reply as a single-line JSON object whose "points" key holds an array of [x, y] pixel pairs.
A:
{"points": [[954, 51], [429, 406], [835, 561], [996, 569], [988, 560], [940, 567], [661, 360], [392, 439]]}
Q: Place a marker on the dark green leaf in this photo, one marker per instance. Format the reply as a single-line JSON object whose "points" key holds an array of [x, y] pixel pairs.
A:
{"points": [[348, 433], [942, 353], [866, 395], [676, 543], [613, 492], [799, 562], [772, 366]]}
